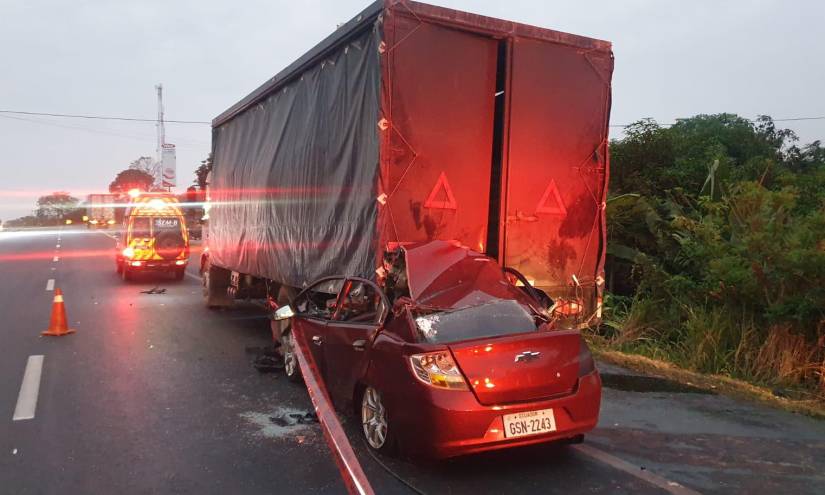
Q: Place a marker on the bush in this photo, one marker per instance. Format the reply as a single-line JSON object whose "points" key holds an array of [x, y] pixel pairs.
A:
{"points": [[726, 273]]}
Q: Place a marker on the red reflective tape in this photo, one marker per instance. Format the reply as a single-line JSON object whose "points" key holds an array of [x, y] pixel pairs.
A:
{"points": [[353, 476], [448, 204], [551, 191]]}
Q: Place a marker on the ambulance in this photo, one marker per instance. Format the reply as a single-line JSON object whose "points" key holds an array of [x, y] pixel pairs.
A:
{"points": [[154, 237]]}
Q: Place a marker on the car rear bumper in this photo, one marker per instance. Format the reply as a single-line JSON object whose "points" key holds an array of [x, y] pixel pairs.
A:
{"points": [[453, 423], [156, 265]]}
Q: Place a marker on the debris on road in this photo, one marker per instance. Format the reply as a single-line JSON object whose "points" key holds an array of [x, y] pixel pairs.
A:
{"points": [[154, 290], [268, 364], [295, 418], [282, 422]]}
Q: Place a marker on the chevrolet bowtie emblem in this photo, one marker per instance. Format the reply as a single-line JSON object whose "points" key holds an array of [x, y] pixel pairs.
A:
{"points": [[525, 356]]}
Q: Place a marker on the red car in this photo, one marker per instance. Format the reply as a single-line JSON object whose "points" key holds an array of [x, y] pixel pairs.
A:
{"points": [[448, 354]]}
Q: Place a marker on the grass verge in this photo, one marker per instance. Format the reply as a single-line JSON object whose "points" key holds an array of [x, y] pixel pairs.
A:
{"points": [[726, 385]]}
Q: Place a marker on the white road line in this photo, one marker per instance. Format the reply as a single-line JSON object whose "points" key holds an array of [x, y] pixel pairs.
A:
{"points": [[55, 259], [29, 389], [654, 479], [58, 246], [50, 284]]}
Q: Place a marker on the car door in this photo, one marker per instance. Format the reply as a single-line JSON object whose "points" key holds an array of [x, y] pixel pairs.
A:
{"points": [[314, 307], [361, 311]]}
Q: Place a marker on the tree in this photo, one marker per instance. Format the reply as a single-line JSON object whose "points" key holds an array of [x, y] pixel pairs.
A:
{"points": [[131, 179], [55, 206], [144, 164], [202, 172]]}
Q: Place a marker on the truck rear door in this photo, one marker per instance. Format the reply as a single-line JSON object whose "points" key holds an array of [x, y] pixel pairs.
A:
{"points": [[437, 150], [559, 98]]}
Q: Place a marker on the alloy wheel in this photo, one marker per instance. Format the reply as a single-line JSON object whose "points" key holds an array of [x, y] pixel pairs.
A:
{"points": [[374, 418], [290, 360]]}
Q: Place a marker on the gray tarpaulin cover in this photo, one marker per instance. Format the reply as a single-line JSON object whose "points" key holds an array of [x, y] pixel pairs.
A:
{"points": [[295, 176]]}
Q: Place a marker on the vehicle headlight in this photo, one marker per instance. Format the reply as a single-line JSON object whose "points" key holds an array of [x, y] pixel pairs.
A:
{"points": [[128, 252], [438, 369]]}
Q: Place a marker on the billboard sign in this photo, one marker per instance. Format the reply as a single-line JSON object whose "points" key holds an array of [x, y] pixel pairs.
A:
{"points": [[168, 166]]}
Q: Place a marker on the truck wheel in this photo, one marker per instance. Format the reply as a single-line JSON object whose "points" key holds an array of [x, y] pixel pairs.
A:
{"points": [[215, 282]]}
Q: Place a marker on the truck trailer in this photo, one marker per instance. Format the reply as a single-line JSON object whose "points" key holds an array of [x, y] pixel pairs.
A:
{"points": [[413, 123], [101, 210]]}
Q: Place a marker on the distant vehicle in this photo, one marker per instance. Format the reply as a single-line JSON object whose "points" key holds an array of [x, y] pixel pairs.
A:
{"points": [[446, 355], [154, 238], [100, 211]]}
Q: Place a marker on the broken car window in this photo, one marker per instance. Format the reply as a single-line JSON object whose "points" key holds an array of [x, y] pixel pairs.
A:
{"points": [[361, 304], [493, 319], [319, 300]]}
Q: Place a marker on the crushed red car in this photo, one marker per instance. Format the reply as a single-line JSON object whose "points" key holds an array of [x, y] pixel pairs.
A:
{"points": [[448, 354]]}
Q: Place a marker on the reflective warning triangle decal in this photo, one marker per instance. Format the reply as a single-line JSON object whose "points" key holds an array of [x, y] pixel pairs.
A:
{"points": [[432, 201], [552, 191]]}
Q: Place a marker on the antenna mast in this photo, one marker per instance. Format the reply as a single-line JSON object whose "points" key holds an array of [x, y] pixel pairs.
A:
{"points": [[160, 126]]}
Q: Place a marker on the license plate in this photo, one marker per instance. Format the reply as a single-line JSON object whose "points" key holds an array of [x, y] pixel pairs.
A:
{"points": [[529, 423]]}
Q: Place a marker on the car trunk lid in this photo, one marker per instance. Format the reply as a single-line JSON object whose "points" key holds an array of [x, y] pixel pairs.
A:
{"points": [[520, 368]]}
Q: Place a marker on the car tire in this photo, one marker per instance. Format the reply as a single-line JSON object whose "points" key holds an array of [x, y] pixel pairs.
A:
{"points": [[292, 369], [126, 274], [375, 424], [180, 273]]}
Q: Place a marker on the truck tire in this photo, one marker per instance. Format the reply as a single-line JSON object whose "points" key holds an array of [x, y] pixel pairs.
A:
{"points": [[215, 282]]}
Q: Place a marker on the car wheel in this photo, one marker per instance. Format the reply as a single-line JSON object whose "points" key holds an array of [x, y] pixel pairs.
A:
{"points": [[179, 273], [291, 367], [374, 421], [126, 274]]}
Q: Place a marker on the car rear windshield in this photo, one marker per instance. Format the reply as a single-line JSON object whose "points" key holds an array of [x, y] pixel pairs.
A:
{"points": [[496, 318]]}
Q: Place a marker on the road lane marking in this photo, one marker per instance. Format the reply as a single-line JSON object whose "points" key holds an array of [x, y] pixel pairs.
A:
{"points": [[55, 259], [50, 284], [644, 475], [58, 246], [29, 389]]}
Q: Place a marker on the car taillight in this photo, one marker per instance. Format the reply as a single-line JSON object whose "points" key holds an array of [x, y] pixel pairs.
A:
{"points": [[586, 363], [128, 252], [438, 369]]}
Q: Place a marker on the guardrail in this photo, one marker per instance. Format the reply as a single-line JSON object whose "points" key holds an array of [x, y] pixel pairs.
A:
{"points": [[353, 476]]}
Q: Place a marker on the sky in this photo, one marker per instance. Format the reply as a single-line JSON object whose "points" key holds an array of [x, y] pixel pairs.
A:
{"points": [[674, 59]]}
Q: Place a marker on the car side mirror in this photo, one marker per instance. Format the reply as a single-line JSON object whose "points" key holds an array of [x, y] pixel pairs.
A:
{"points": [[284, 313]]}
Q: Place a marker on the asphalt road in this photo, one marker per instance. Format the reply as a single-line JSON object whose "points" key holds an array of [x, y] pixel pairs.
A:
{"points": [[156, 394]]}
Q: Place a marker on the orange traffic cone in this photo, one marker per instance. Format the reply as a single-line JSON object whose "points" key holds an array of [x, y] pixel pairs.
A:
{"points": [[58, 325]]}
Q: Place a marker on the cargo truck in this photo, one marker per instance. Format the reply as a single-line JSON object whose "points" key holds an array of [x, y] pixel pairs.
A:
{"points": [[414, 123], [100, 210]]}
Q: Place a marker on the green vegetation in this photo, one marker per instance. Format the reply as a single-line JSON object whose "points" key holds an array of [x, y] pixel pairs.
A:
{"points": [[716, 249]]}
